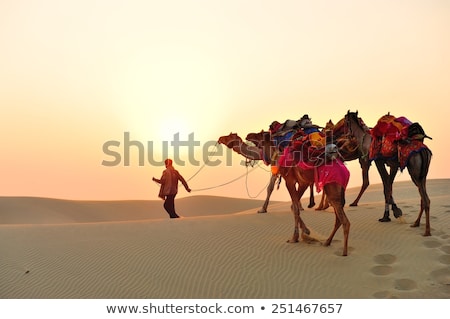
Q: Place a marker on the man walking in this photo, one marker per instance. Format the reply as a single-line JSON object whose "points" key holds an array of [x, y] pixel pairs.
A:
{"points": [[169, 187]]}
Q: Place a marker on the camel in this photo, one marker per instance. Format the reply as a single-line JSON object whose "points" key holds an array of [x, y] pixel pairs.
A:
{"points": [[417, 164], [351, 148], [295, 176], [257, 139]]}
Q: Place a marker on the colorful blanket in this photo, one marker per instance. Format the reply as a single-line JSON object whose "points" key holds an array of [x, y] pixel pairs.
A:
{"points": [[396, 137], [406, 150], [334, 172]]}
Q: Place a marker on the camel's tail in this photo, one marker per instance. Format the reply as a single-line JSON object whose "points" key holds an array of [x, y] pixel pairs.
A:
{"points": [[425, 155]]}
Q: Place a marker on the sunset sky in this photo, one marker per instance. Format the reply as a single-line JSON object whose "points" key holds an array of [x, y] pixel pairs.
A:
{"points": [[75, 75]]}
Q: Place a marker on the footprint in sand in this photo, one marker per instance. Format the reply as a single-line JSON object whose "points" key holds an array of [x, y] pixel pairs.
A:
{"points": [[383, 261], [432, 244], [446, 249], [405, 284], [442, 277], [382, 270], [444, 259]]}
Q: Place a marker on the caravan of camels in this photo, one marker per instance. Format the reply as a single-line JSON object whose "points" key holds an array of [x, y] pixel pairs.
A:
{"points": [[306, 156]]}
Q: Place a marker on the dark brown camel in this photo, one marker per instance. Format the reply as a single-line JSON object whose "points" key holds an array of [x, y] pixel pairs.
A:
{"points": [[295, 176], [418, 165], [354, 146]]}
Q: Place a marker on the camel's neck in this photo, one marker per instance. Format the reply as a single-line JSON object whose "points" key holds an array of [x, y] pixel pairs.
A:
{"points": [[248, 151]]}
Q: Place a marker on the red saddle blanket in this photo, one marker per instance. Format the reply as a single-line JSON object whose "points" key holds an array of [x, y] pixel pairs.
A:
{"points": [[386, 134], [334, 172], [405, 151]]}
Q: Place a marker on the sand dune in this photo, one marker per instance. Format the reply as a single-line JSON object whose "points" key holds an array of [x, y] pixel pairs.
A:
{"points": [[221, 249]]}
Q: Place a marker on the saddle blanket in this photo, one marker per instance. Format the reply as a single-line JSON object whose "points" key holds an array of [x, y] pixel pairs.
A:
{"points": [[334, 172], [405, 151], [385, 135]]}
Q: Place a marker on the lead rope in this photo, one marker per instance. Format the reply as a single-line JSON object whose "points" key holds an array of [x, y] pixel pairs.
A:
{"points": [[246, 183], [205, 163], [226, 183], [248, 163]]}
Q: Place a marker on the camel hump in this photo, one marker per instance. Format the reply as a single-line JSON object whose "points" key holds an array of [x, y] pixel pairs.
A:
{"points": [[416, 132]]}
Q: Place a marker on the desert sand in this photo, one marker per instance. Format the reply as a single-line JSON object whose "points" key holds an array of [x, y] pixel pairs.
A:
{"points": [[221, 248]]}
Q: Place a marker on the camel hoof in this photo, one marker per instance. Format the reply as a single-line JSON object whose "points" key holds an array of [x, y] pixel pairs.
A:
{"points": [[384, 219], [262, 211], [397, 211], [292, 241], [311, 205], [415, 225], [427, 234], [353, 204]]}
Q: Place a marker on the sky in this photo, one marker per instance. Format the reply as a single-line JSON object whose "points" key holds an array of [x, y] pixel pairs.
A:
{"points": [[95, 94]]}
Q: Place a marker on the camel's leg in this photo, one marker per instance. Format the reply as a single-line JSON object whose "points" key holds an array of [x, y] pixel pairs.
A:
{"points": [[270, 188], [312, 203], [385, 179], [393, 169], [336, 197], [298, 222], [424, 206], [418, 169], [301, 190], [392, 173], [388, 180], [337, 224], [365, 165], [417, 222], [324, 204]]}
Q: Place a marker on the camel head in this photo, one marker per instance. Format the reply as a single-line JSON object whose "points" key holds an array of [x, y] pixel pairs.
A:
{"points": [[256, 138], [329, 125], [230, 140]]}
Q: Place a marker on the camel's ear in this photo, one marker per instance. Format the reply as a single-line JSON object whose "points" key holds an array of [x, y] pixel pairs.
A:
{"points": [[357, 113]]}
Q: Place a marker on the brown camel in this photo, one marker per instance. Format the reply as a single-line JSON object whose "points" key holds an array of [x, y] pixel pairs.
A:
{"points": [[257, 139], [295, 176], [351, 147], [418, 164]]}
